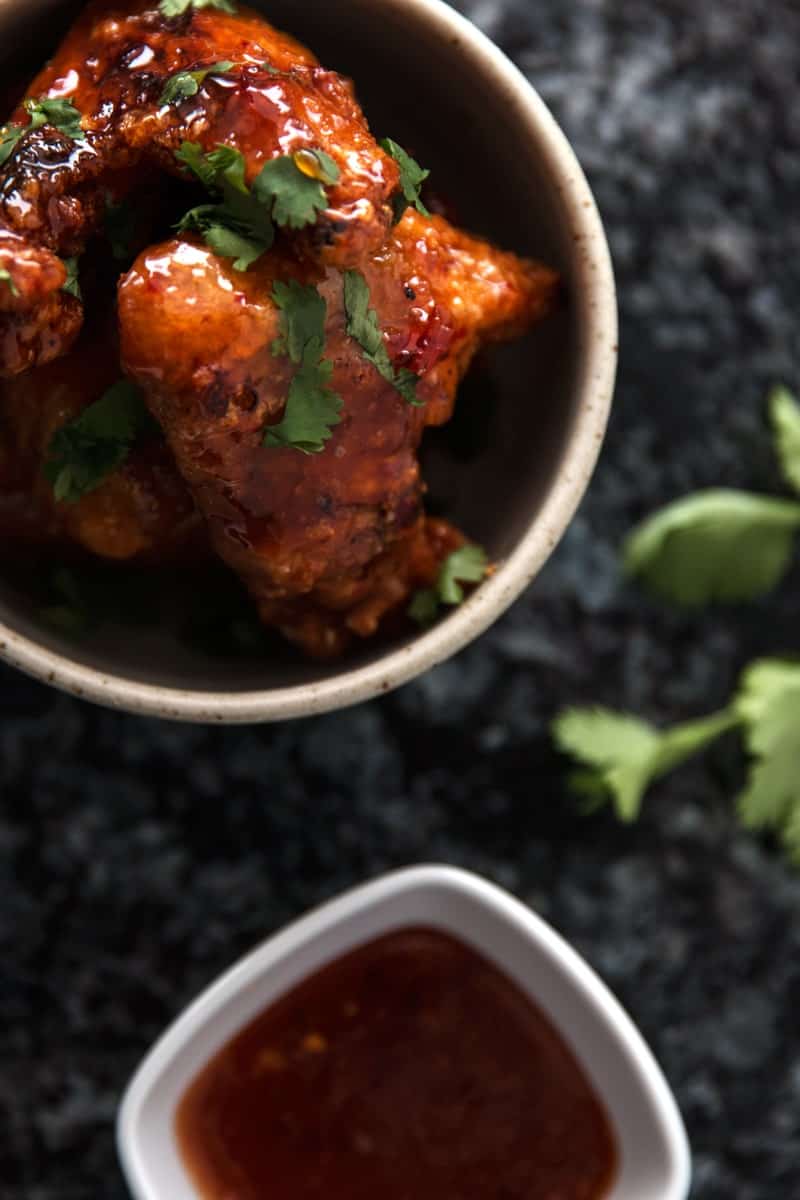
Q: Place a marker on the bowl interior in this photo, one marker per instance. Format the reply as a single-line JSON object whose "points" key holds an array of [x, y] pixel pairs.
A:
{"points": [[491, 470], [651, 1140]]}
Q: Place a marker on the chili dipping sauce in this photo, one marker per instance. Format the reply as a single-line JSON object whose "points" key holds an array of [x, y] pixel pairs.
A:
{"points": [[408, 1069]]}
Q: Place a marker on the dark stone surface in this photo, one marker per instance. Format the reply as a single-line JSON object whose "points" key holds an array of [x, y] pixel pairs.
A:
{"points": [[138, 859]]}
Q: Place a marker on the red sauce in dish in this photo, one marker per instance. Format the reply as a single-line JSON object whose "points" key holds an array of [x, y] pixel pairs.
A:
{"points": [[409, 1069]]}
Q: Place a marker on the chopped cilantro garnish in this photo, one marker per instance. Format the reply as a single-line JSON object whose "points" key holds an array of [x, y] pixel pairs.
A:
{"points": [[239, 227], [5, 277], [87, 449], [412, 177], [363, 325], [468, 564], [293, 197], [187, 83], [120, 227], [9, 139], [312, 407], [302, 318], [72, 284], [228, 234], [176, 8], [61, 114]]}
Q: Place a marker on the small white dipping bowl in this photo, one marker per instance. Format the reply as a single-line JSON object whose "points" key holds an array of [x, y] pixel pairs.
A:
{"points": [[654, 1153]]}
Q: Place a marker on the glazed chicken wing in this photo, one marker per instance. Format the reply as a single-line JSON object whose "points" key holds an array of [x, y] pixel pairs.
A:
{"points": [[326, 543], [143, 512], [268, 98]]}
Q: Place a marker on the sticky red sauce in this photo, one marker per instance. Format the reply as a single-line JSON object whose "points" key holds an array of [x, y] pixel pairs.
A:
{"points": [[409, 1069]]}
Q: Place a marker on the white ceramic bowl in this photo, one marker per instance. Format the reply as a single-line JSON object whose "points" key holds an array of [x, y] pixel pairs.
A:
{"points": [[654, 1153], [429, 78]]}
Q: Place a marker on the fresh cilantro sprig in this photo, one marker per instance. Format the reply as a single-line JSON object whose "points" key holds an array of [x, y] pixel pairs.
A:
{"points": [[468, 564], [624, 755], [185, 84], [362, 324], [293, 196], [412, 177], [236, 227], [5, 277], [723, 544], [72, 284], [89, 448], [312, 407], [61, 114], [715, 545], [242, 225], [176, 8]]}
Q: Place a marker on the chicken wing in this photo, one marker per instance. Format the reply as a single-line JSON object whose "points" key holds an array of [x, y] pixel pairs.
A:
{"points": [[272, 99], [141, 513], [328, 543]]}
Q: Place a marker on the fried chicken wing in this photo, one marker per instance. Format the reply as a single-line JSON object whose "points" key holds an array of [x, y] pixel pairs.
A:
{"points": [[142, 513], [327, 543], [274, 99]]}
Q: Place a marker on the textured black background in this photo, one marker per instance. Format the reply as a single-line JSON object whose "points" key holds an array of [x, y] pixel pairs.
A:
{"points": [[137, 859]]}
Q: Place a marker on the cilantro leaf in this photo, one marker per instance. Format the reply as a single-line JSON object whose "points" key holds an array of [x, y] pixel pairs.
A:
{"points": [[176, 8], [187, 83], [312, 408], [424, 606], [785, 414], [120, 227], [626, 754], [89, 448], [768, 703], [714, 545], [229, 167], [9, 138], [191, 155], [363, 325], [302, 318], [412, 177], [467, 564], [226, 234], [72, 284], [5, 277], [239, 227], [292, 197], [317, 165], [61, 114]]}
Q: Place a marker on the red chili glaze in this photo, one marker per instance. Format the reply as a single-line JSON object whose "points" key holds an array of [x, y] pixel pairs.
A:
{"points": [[409, 1069]]}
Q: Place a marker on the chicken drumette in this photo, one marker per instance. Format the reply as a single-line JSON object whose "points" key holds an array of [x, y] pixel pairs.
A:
{"points": [[326, 543], [273, 99]]}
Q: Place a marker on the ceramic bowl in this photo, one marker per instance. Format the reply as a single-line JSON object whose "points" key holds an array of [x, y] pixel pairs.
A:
{"points": [[428, 77], [653, 1149]]}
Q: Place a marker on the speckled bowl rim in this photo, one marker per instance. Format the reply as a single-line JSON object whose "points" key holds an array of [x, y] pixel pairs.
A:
{"points": [[595, 299]]}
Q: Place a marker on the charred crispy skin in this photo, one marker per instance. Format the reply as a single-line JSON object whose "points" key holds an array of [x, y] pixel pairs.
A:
{"points": [[113, 67], [327, 544], [143, 513]]}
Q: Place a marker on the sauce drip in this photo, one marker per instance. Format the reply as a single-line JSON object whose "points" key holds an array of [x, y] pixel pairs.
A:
{"points": [[409, 1069]]}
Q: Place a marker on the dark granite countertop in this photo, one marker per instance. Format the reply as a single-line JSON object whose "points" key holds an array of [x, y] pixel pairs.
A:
{"points": [[137, 859]]}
